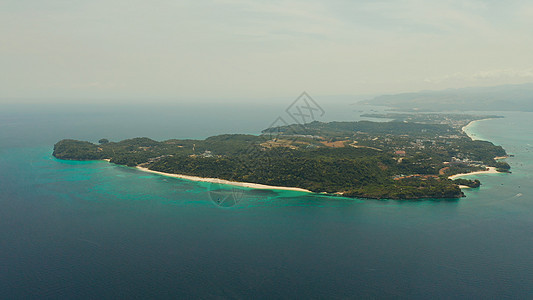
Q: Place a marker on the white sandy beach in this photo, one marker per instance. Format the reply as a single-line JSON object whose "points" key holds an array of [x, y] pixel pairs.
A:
{"points": [[491, 170], [466, 126], [501, 157], [222, 181], [470, 124]]}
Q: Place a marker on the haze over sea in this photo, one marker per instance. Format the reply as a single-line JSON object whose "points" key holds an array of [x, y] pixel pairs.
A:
{"points": [[96, 230]]}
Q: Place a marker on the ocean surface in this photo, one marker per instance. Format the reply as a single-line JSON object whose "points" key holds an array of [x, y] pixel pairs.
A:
{"points": [[75, 230]]}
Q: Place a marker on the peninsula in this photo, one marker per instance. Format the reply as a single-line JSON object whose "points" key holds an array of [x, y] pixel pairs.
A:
{"points": [[380, 160]]}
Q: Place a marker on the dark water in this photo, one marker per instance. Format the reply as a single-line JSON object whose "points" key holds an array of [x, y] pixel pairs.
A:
{"points": [[95, 230]]}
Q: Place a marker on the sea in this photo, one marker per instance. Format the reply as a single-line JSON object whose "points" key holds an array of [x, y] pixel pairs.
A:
{"points": [[94, 230]]}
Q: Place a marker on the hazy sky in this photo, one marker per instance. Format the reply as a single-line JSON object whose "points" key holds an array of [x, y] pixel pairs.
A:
{"points": [[250, 49]]}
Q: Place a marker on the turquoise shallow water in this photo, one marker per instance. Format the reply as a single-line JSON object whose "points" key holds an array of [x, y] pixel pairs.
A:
{"points": [[82, 229]]}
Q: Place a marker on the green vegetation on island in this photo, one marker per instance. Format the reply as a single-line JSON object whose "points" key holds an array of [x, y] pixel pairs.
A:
{"points": [[394, 160], [469, 183]]}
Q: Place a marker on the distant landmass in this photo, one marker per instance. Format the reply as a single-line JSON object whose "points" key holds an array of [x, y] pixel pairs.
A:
{"points": [[393, 160], [498, 98], [458, 121]]}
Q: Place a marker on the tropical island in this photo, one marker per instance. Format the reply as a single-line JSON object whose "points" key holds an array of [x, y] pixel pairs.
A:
{"points": [[380, 160]]}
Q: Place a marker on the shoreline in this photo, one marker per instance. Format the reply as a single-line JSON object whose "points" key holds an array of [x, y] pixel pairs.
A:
{"points": [[223, 181], [491, 170], [501, 157], [463, 129]]}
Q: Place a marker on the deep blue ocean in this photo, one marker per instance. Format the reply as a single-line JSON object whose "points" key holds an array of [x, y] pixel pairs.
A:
{"points": [[76, 230]]}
